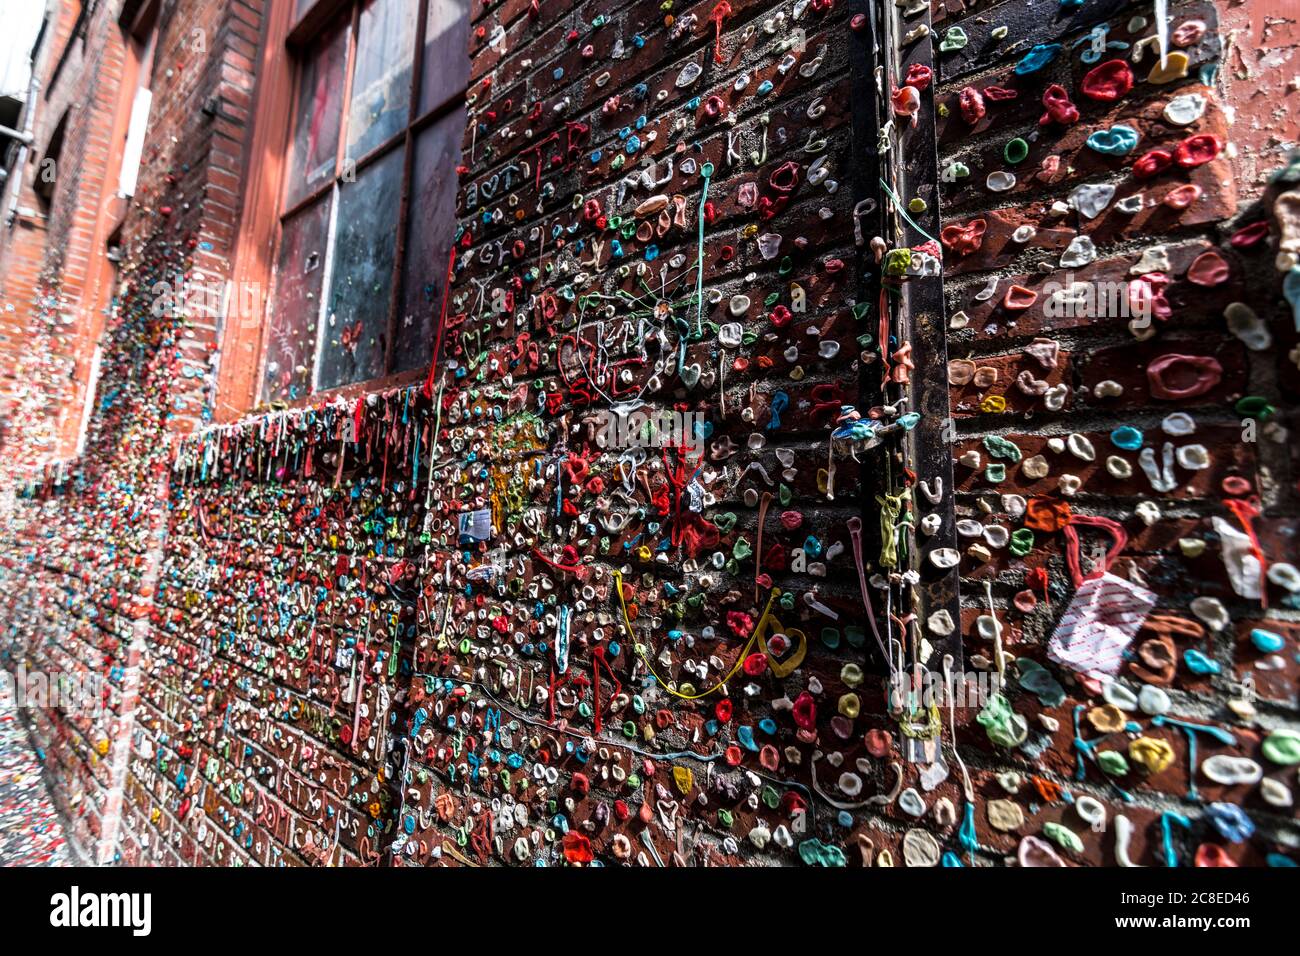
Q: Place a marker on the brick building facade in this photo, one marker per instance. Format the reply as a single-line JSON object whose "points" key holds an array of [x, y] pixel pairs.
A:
{"points": [[592, 449]]}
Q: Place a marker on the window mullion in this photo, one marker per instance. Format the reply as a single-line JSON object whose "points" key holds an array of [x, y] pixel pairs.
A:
{"points": [[349, 70], [306, 201], [417, 62], [340, 157], [327, 279], [408, 166]]}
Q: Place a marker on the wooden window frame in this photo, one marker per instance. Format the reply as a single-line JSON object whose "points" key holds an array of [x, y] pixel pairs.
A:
{"points": [[264, 212], [141, 39]]}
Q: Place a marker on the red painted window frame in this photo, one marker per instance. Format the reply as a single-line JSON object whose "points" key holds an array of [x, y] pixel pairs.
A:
{"points": [[263, 212]]}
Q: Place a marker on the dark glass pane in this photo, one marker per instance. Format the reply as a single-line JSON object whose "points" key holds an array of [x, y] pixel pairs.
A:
{"points": [[365, 240], [445, 71], [381, 82], [431, 220], [296, 308], [320, 114]]}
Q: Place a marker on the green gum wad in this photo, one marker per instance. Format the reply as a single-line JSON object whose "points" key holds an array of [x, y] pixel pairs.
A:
{"points": [[1038, 680], [1063, 837], [1282, 747], [954, 39], [897, 261], [999, 447], [1113, 763], [816, 853], [1254, 406], [1022, 542], [1004, 726]]}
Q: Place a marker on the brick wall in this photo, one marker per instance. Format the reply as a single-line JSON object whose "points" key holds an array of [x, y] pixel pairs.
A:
{"points": [[459, 623], [297, 686], [39, 313], [1083, 453], [86, 543]]}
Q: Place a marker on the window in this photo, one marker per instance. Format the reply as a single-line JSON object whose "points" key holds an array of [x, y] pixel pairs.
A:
{"points": [[143, 50], [368, 199]]}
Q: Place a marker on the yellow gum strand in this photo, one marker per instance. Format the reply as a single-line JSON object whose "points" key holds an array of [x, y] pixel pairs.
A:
{"points": [[744, 652]]}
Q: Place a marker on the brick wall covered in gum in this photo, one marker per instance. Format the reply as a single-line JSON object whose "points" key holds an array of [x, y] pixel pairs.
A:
{"points": [[243, 732], [289, 549], [298, 755], [49, 284], [1175, 550], [81, 555]]}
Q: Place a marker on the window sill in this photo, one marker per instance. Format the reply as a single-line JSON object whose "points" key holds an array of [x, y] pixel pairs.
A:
{"points": [[344, 392]]}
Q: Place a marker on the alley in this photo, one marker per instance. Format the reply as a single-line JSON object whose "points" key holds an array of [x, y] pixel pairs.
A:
{"points": [[30, 832]]}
